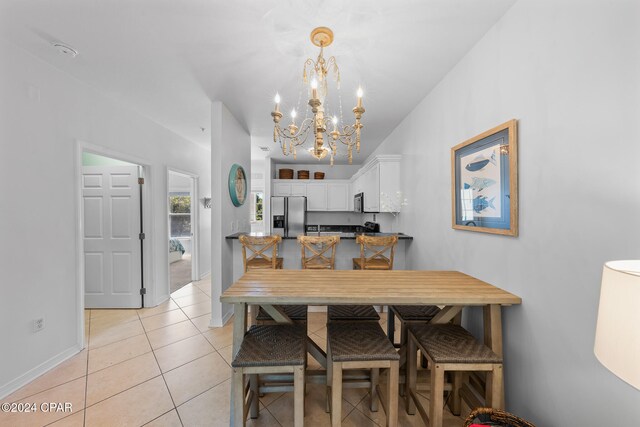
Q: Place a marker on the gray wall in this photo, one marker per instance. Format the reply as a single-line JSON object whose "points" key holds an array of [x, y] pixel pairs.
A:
{"points": [[39, 138], [230, 143], [570, 73]]}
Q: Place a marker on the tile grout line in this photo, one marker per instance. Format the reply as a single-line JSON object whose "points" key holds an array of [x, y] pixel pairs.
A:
{"points": [[164, 380]]}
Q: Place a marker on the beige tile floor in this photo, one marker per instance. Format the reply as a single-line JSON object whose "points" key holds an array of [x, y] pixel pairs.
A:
{"points": [[164, 366]]}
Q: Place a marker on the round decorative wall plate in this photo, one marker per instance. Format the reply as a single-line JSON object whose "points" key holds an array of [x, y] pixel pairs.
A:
{"points": [[237, 185]]}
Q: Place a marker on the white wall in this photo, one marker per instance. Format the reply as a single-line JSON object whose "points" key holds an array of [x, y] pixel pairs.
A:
{"points": [[230, 143], [569, 71], [43, 114]]}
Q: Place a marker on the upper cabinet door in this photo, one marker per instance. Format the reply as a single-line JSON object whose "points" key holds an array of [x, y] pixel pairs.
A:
{"points": [[390, 186], [371, 189], [299, 189], [282, 189], [317, 197], [338, 197]]}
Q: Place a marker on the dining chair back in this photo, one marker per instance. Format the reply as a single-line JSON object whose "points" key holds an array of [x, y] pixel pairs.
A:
{"points": [[318, 252], [259, 248], [376, 252]]}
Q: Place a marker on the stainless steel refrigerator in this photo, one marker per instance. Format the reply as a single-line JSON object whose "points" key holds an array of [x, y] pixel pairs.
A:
{"points": [[288, 216]]}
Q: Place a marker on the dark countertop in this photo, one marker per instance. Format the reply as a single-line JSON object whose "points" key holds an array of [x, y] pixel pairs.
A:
{"points": [[347, 236]]}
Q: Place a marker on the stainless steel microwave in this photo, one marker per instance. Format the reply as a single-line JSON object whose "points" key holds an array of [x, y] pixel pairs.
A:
{"points": [[358, 203]]}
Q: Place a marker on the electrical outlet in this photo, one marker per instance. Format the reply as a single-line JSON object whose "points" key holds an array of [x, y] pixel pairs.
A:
{"points": [[38, 324]]}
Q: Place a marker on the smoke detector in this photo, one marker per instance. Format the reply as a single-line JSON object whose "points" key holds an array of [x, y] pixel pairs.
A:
{"points": [[65, 49]]}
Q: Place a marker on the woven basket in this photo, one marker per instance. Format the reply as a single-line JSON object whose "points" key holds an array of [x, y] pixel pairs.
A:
{"points": [[491, 416], [285, 174], [303, 174], [318, 175]]}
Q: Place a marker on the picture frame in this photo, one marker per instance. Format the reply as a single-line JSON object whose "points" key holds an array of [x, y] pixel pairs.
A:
{"points": [[237, 185], [484, 182]]}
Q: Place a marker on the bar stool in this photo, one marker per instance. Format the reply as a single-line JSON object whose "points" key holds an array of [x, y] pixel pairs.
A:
{"points": [[259, 248], [268, 349], [318, 246], [377, 246], [358, 345], [376, 261], [408, 314], [448, 347]]}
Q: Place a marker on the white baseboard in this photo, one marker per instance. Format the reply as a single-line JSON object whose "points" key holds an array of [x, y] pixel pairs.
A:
{"points": [[225, 319], [227, 316], [204, 275], [158, 301], [34, 373]]}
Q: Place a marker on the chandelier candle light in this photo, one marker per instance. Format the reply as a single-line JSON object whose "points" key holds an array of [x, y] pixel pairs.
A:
{"points": [[293, 136]]}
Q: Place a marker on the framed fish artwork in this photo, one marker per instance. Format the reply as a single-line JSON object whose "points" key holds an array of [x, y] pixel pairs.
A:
{"points": [[484, 182]]}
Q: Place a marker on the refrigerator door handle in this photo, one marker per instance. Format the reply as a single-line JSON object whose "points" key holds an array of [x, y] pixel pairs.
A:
{"points": [[286, 217]]}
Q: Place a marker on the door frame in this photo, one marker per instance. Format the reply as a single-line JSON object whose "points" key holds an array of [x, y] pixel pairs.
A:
{"points": [[195, 223], [148, 221]]}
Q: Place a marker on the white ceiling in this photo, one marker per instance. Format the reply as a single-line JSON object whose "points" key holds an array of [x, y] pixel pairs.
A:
{"points": [[169, 59]]}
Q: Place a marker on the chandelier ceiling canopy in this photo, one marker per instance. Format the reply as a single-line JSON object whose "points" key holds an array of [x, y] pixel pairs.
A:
{"points": [[315, 76]]}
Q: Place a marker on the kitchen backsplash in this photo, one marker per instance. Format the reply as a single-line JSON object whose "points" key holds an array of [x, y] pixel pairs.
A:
{"points": [[386, 220]]}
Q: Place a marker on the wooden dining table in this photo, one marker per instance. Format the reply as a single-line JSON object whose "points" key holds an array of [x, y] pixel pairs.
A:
{"points": [[451, 290]]}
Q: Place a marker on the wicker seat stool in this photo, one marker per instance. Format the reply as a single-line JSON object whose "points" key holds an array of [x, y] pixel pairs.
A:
{"points": [[408, 314], [448, 347], [352, 313], [361, 345], [268, 349], [297, 313]]}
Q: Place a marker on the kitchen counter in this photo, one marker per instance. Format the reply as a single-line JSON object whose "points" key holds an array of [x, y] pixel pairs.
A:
{"points": [[346, 236]]}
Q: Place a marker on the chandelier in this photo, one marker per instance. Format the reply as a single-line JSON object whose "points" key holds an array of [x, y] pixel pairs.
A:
{"points": [[315, 73]]}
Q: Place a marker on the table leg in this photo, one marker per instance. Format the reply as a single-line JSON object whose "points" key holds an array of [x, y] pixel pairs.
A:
{"points": [[239, 328], [493, 338], [447, 313], [391, 324]]}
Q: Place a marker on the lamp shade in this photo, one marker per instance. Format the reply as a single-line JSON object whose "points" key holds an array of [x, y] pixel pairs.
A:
{"points": [[617, 344]]}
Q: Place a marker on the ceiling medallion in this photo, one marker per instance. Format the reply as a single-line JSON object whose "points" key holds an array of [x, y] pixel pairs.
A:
{"points": [[315, 74]]}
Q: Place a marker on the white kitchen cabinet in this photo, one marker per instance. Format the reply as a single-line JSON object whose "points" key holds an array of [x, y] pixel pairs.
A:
{"points": [[282, 189], [389, 189], [298, 189], [317, 197], [338, 196], [357, 185], [380, 176], [371, 189], [290, 189]]}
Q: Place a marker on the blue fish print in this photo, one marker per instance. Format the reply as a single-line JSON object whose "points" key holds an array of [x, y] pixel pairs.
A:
{"points": [[481, 203], [480, 162], [479, 184]]}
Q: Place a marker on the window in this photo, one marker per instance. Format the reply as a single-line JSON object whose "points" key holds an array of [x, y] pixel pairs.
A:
{"points": [[180, 214], [257, 204]]}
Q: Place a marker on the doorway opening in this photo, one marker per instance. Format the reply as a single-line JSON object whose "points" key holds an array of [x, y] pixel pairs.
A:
{"points": [[112, 232], [182, 226]]}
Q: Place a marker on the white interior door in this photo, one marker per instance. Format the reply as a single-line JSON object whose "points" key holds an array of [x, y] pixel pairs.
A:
{"points": [[112, 253]]}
